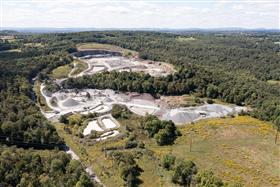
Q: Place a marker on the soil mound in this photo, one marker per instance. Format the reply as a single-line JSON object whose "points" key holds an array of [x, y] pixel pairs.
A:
{"points": [[69, 102]]}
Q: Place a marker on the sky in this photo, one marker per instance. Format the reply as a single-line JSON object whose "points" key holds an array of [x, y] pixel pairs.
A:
{"points": [[140, 13]]}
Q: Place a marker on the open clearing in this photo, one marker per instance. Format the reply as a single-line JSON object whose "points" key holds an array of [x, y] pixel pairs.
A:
{"points": [[186, 39], [108, 47], [11, 50], [35, 44], [79, 66], [109, 124], [61, 72], [239, 149], [92, 125], [274, 82], [100, 124]]}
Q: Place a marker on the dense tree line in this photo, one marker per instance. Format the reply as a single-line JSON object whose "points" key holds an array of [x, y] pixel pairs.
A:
{"points": [[22, 168], [20, 118], [5, 45]]}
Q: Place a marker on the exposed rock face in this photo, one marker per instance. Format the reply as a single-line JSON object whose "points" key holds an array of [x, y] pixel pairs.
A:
{"points": [[96, 53]]}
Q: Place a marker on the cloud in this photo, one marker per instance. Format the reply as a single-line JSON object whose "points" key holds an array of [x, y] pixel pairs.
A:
{"points": [[238, 7], [140, 14]]}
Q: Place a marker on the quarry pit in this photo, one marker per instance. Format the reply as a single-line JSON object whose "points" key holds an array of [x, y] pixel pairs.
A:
{"points": [[85, 101]]}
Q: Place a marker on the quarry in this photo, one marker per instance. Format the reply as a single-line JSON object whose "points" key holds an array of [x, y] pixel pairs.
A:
{"points": [[101, 61], [86, 101], [67, 102]]}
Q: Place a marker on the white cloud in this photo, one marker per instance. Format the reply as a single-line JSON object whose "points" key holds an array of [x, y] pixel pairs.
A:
{"points": [[140, 14], [238, 7]]}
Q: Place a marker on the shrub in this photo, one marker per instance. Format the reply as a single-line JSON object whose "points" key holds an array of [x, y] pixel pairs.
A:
{"points": [[131, 144], [210, 101], [63, 119], [168, 161], [141, 145], [207, 178], [184, 172]]}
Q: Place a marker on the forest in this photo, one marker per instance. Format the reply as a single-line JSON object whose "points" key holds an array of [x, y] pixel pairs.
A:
{"points": [[29, 168], [237, 52], [23, 125]]}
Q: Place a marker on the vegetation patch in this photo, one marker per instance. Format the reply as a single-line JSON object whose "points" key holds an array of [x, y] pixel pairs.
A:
{"points": [[186, 39], [40, 99], [39, 45], [274, 82], [61, 71], [80, 67]]}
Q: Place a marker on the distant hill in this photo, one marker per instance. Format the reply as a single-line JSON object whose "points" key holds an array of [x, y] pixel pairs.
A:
{"points": [[169, 30]]}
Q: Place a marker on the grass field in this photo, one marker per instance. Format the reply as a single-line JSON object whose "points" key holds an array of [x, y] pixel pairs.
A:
{"points": [[185, 39], [80, 66], [180, 101], [273, 82], [238, 150], [11, 50], [34, 44], [61, 72], [125, 52], [40, 99], [188, 100]]}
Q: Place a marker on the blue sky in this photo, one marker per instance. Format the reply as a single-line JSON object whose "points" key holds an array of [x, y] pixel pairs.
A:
{"points": [[140, 13]]}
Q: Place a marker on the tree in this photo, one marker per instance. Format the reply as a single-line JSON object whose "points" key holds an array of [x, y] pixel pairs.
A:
{"points": [[88, 95], [277, 124], [184, 173], [56, 165], [84, 181], [212, 91], [7, 127]]}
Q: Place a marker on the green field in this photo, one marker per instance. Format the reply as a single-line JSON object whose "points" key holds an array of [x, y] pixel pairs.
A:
{"points": [[238, 150], [61, 72], [125, 52], [40, 99], [274, 82], [34, 45], [11, 50], [188, 100], [80, 66], [185, 39]]}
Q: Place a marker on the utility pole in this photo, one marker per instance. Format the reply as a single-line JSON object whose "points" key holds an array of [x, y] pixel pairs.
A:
{"points": [[191, 142], [191, 138]]}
